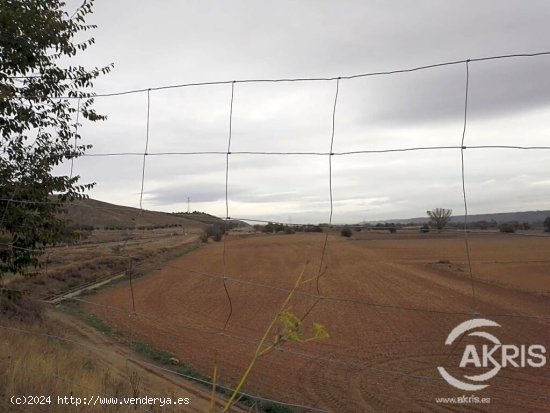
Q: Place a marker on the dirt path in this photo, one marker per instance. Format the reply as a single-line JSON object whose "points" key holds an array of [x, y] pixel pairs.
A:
{"points": [[119, 359]]}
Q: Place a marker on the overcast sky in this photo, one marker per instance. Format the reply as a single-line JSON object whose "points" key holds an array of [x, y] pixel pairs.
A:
{"points": [[157, 43]]}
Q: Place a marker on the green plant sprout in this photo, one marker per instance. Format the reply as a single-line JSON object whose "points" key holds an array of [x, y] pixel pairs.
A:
{"points": [[289, 326]]}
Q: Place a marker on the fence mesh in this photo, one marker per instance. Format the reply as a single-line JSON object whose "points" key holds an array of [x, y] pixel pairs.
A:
{"points": [[245, 336]]}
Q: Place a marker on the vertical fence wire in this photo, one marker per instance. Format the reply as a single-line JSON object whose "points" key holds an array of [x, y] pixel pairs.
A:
{"points": [[229, 301], [217, 367], [330, 155], [146, 148], [462, 148], [320, 270], [145, 153], [473, 305], [75, 135]]}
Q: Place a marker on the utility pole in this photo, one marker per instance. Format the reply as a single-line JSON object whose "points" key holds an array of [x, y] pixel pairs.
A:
{"points": [[188, 207]]}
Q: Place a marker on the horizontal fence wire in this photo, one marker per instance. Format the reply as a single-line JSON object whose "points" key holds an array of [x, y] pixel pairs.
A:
{"points": [[329, 297], [337, 299], [358, 152], [314, 296], [343, 299], [176, 334], [303, 79]]}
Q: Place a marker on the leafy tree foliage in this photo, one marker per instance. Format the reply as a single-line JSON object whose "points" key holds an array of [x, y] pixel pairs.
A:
{"points": [[547, 224], [440, 217], [40, 95]]}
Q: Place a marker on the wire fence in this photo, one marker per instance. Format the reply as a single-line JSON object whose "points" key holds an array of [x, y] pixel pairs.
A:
{"points": [[196, 322]]}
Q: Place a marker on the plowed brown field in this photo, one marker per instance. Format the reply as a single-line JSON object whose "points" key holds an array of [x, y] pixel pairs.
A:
{"points": [[390, 302]]}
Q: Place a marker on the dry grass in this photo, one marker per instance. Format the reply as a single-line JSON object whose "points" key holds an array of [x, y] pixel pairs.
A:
{"points": [[33, 364], [98, 214], [63, 268]]}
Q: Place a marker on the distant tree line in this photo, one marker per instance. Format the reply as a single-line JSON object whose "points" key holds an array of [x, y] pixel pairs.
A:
{"points": [[275, 227], [441, 220], [189, 213], [139, 227]]}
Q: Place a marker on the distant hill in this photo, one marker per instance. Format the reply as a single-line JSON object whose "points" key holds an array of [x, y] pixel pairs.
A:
{"points": [[99, 214], [532, 217]]}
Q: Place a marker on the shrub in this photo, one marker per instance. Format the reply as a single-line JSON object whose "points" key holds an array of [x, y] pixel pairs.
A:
{"points": [[345, 232], [507, 227], [209, 231], [313, 228], [215, 230], [272, 227], [204, 237], [392, 230], [425, 229], [547, 224]]}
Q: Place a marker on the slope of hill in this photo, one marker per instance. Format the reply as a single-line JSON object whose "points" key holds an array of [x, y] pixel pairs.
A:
{"points": [[198, 216], [209, 219], [99, 214]]}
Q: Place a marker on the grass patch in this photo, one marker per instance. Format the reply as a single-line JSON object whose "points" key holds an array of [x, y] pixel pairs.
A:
{"points": [[161, 357], [269, 407], [101, 326], [164, 358], [76, 309], [264, 406]]}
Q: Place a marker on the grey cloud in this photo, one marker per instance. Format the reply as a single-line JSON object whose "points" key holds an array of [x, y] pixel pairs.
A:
{"points": [[176, 195], [161, 43]]}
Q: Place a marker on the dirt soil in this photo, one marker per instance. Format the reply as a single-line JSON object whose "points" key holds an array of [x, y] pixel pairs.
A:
{"points": [[389, 302]]}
